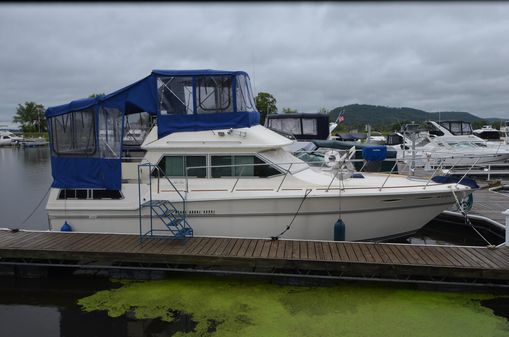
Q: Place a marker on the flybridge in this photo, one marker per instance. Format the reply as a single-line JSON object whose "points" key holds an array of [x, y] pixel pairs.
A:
{"points": [[86, 135]]}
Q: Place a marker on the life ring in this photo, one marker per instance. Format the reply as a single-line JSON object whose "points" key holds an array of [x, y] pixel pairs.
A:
{"points": [[332, 158]]}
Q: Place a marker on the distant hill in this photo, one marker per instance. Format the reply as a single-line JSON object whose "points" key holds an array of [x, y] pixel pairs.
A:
{"points": [[387, 118]]}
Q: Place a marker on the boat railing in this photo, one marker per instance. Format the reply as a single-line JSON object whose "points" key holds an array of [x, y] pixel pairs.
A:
{"points": [[337, 172], [160, 173]]}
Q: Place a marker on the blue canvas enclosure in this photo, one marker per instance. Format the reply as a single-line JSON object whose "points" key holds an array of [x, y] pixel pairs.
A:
{"points": [[86, 135]]}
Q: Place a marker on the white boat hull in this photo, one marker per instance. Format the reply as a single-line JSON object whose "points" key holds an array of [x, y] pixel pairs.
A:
{"points": [[365, 217]]}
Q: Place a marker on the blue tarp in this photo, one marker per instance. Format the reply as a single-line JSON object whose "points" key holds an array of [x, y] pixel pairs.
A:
{"points": [[69, 172], [455, 180], [142, 96], [374, 153]]}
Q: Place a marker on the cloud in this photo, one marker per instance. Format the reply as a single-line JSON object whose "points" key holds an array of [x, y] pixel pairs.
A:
{"points": [[430, 56]]}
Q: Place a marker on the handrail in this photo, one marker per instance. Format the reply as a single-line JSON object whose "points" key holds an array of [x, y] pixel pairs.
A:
{"points": [[240, 175], [434, 172], [467, 172], [284, 177], [388, 176], [285, 168], [160, 172]]}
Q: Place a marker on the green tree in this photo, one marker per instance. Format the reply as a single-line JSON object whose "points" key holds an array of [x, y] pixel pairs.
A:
{"points": [[324, 111], [479, 124], [265, 104], [289, 111], [31, 117]]}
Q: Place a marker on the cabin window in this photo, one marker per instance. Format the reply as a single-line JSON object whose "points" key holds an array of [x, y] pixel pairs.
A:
{"points": [[245, 100], [275, 124], [309, 126], [82, 194], [236, 166], [176, 166], [214, 94], [466, 128], [74, 133], [110, 132], [175, 95], [456, 129], [291, 125]]}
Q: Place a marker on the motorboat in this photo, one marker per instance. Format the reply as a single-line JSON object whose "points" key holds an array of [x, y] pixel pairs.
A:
{"points": [[487, 132], [8, 138], [209, 169], [447, 144]]}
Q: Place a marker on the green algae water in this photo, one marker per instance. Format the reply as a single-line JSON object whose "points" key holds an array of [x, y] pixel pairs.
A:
{"points": [[230, 307]]}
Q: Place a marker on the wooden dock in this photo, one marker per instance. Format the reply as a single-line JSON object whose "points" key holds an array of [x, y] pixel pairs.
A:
{"points": [[490, 204], [487, 207], [339, 260]]}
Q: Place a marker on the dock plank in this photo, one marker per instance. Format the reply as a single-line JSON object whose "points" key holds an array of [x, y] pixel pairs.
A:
{"points": [[311, 250], [280, 251], [266, 248], [303, 250], [273, 248], [251, 248], [319, 251], [295, 250]]}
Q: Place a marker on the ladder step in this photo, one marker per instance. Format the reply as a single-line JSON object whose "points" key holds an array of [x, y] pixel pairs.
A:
{"points": [[174, 223], [153, 203], [184, 232]]}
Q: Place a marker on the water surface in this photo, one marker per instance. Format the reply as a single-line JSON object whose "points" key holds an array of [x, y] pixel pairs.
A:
{"points": [[25, 176]]}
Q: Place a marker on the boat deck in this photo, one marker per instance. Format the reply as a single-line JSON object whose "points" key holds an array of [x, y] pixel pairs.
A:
{"points": [[340, 260]]}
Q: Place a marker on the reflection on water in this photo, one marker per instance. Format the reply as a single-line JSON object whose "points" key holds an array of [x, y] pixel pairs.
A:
{"points": [[25, 179], [48, 308]]}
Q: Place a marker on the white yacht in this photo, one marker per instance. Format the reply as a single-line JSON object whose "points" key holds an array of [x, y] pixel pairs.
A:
{"points": [[449, 144], [8, 138], [210, 169], [487, 132]]}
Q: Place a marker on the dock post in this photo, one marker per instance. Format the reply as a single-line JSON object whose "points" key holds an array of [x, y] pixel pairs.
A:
{"points": [[506, 213]]}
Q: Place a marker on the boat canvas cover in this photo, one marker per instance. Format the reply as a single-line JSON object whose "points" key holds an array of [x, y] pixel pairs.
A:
{"points": [[86, 135]]}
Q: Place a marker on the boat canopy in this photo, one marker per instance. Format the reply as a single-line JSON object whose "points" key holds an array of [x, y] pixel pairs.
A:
{"points": [[302, 126], [86, 135]]}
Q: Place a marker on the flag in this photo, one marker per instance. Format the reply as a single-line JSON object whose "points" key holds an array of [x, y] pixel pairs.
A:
{"points": [[340, 118]]}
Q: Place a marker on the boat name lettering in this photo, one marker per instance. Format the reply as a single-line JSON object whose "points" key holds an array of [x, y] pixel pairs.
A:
{"points": [[199, 211]]}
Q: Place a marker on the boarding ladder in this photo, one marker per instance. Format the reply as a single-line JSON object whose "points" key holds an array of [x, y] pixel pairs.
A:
{"points": [[173, 219]]}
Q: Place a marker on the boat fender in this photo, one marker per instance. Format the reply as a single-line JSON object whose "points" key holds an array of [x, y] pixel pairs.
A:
{"points": [[467, 202], [66, 227], [339, 230]]}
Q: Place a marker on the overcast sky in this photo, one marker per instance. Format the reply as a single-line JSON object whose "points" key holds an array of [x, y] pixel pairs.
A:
{"points": [[430, 56]]}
